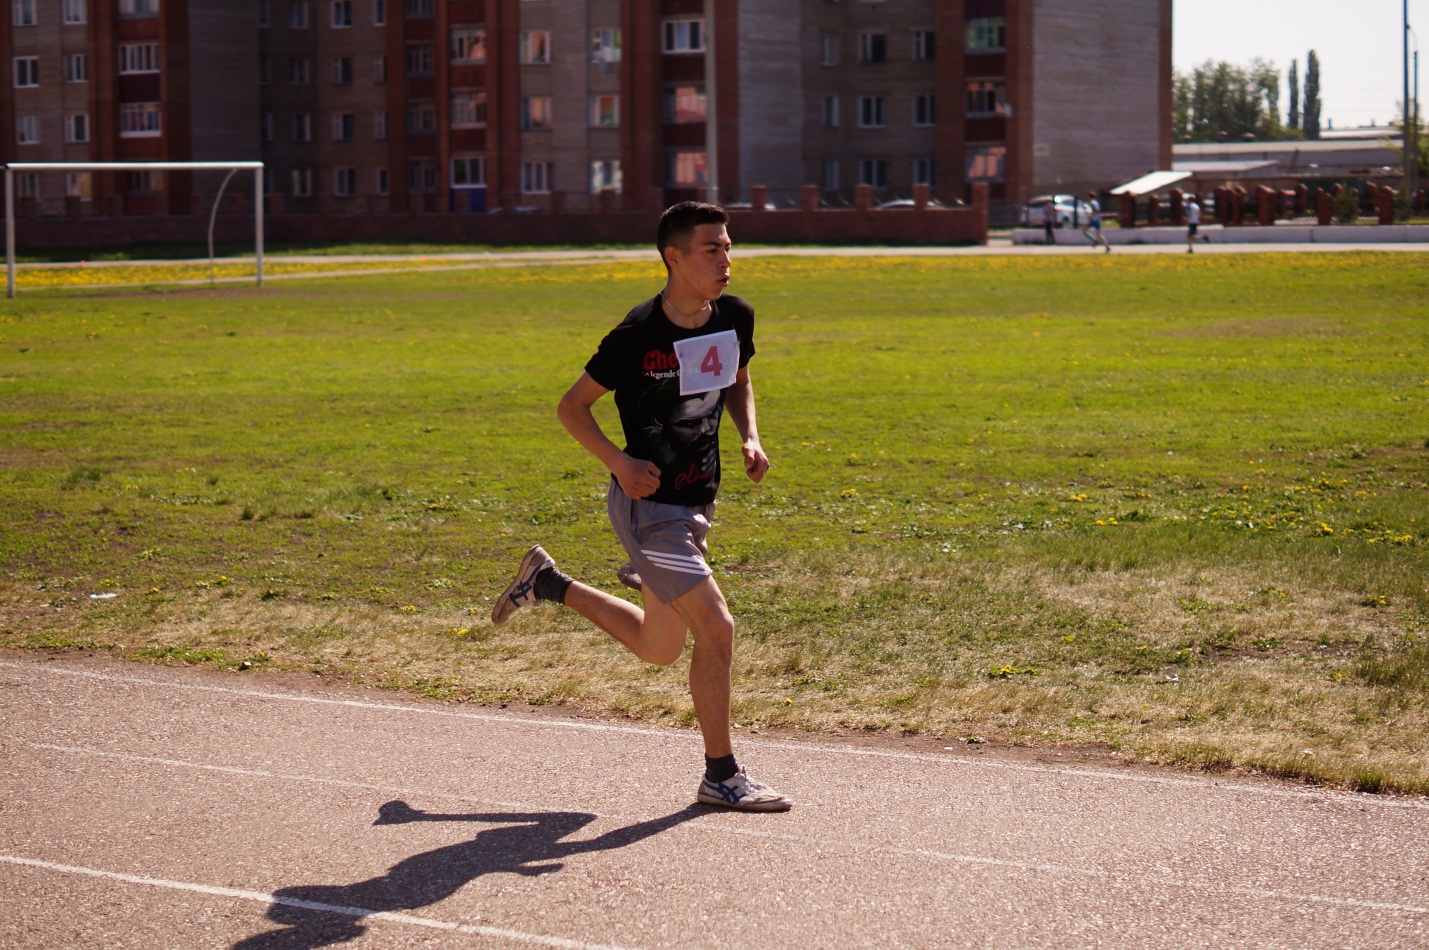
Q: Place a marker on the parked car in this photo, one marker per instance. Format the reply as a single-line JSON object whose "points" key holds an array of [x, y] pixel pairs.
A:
{"points": [[1063, 204], [909, 203]]}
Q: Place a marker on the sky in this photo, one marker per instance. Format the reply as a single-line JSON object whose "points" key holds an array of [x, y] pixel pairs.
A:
{"points": [[1360, 47]]}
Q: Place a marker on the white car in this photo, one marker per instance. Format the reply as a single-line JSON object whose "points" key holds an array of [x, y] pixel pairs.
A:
{"points": [[1032, 211]]}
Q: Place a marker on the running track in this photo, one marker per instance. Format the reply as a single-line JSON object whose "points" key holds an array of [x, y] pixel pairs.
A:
{"points": [[153, 807]]}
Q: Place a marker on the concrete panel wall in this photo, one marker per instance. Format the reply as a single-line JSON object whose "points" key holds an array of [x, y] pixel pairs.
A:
{"points": [[771, 98], [1097, 111]]}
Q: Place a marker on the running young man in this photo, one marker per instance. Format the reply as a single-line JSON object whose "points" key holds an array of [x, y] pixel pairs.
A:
{"points": [[1093, 231], [1193, 223], [675, 363]]}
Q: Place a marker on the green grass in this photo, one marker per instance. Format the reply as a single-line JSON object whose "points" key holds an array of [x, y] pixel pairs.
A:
{"points": [[1173, 507]]}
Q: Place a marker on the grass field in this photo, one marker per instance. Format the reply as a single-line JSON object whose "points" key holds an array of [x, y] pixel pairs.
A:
{"points": [[1177, 507]]}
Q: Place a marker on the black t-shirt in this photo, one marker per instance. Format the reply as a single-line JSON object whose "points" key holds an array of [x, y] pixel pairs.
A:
{"points": [[670, 385]]}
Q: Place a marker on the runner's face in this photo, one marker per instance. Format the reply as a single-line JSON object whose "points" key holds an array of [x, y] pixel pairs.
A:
{"points": [[704, 265]]}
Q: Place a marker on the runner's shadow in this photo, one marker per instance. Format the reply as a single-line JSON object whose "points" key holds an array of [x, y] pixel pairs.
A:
{"points": [[318, 915]]}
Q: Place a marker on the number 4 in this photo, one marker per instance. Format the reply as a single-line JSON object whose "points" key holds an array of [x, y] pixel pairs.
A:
{"points": [[711, 364]]}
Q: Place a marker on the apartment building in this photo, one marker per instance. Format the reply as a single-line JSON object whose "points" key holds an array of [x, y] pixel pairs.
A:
{"points": [[379, 106]]}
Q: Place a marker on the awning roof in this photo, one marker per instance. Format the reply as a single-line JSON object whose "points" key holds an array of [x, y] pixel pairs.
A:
{"points": [[1146, 184], [1226, 168]]}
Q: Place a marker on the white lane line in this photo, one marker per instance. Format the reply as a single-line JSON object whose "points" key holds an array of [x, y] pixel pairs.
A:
{"points": [[690, 738], [360, 912], [1166, 879]]}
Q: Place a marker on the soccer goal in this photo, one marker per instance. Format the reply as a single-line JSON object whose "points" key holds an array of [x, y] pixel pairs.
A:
{"points": [[232, 167]]}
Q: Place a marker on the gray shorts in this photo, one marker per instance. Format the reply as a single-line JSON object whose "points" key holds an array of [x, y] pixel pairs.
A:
{"points": [[665, 543]]}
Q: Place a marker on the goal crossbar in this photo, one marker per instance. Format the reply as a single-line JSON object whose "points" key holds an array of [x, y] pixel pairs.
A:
{"points": [[12, 167]]}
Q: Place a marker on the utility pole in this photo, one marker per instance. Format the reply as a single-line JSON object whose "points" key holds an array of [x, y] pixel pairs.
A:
{"points": [[1411, 117], [711, 120]]}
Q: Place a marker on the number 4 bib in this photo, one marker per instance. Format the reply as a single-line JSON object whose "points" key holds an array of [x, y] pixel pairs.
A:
{"points": [[707, 362]]}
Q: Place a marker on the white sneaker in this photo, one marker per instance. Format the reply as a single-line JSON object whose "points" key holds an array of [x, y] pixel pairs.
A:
{"points": [[521, 592], [742, 793]]}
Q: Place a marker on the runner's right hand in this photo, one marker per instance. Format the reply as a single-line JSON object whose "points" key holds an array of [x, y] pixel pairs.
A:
{"points": [[638, 478]]}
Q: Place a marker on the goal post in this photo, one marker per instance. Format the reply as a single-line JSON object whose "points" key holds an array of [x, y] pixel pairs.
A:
{"points": [[13, 167]]}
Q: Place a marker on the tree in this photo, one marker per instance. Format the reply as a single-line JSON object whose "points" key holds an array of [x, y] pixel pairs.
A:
{"points": [[1311, 125], [1219, 100], [1294, 94]]}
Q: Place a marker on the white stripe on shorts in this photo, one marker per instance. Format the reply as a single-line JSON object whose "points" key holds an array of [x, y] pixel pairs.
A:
{"points": [[680, 563]]}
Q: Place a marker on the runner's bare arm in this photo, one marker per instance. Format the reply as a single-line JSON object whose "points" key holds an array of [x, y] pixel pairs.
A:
{"points": [[740, 402], [637, 477]]}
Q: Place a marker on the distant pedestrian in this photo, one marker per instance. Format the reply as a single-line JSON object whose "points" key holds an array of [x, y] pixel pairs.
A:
{"points": [[1093, 230], [1193, 223], [1049, 223]]}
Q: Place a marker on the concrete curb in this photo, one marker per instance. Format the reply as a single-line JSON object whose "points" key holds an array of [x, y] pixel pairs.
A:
{"points": [[1250, 234]]}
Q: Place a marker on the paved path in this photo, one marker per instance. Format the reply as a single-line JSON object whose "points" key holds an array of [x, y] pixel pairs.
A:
{"points": [[155, 807]]}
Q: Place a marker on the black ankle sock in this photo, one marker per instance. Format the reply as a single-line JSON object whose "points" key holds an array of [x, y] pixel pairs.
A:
{"points": [[550, 584], [717, 770]]}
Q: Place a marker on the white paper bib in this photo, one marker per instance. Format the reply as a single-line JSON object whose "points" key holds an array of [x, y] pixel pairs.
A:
{"points": [[707, 362]]}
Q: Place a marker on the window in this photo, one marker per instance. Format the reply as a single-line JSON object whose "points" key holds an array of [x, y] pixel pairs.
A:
{"points": [[77, 127], [923, 171], [383, 185], [27, 130], [831, 174], [830, 115], [870, 112], [302, 127], [139, 58], [302, 182], [300, 70], [265, 127], [76, 11], [605, 112], [605, 176], [79, 185], [535, 114], [344, 182], [379, 126], [140, 120], [684, 36], [265, 14], [421, 117], [379, 18], [417, 9], [379, 70], [77, 67], [422, 176], [922, 46], [873, 171], [23, 13], [469, 171], [344, 124], [872, 48], [419, 59], [341, 14], [536, 49], [689, 169], [27, 185], [986, 34], [923, 110], [138, 7], [536, 177], [987, 97], [148, 182], [468, 109], [27, 72], [986, 163], [265, 69], [685, 104], [605, 46], [828, 49], [298, 16], [342, 70], [469, 45]]}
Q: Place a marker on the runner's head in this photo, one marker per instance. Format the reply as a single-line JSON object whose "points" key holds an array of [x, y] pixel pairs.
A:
{"points": [[680, 222]]}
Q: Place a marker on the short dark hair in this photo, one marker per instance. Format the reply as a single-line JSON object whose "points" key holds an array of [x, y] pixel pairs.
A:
{"points": [[680, 220]]}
